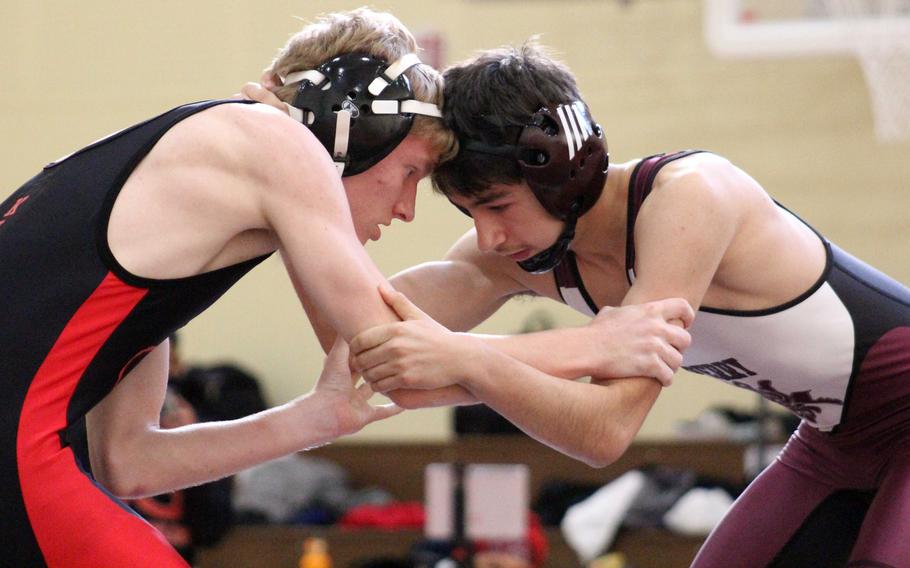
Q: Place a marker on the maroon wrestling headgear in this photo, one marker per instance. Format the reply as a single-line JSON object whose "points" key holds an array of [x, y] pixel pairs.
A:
{"points": [[563, 156]]}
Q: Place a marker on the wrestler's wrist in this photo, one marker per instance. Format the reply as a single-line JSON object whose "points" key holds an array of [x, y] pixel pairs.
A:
{"points": [[313, 419], [475, 357], [576, 356]]}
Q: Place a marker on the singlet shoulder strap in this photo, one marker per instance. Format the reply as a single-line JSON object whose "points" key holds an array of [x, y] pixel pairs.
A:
{"points": [[571, 288], [133, 144], [640, 186]]}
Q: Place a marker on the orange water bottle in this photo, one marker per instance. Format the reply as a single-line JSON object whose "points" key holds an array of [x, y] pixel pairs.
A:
{"points": [[315, 554]]}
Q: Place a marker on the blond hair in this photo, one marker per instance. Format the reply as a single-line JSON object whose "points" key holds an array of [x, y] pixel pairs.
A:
{"points": [[378, 34]]}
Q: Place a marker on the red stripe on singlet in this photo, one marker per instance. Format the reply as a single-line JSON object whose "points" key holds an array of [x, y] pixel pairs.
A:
{"points": [[75, 523]]}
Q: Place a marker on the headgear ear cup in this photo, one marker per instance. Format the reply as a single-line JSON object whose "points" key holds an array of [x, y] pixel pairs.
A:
{"points": [[575, 168], [563, 156]]}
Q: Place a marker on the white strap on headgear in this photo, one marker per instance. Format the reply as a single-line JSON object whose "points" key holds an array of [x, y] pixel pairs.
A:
{"points": [[407, 106], [342, 136], [315, 77], [294, 112], [392, 72], [298, 115], [311, 75], [343, 117], [389, 76]]}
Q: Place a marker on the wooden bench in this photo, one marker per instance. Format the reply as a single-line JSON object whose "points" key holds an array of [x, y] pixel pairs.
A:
{"points": [[399, 469]]}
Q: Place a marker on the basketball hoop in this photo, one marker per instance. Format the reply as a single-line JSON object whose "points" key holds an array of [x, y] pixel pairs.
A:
{"points": [[876, 32], [878, 36]]}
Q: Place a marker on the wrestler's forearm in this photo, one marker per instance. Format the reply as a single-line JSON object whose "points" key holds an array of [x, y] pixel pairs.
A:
{"points": [[453, 395], [594, 423], [557, 352], [191, 455]]}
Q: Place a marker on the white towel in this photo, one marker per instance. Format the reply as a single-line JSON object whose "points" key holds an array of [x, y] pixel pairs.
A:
{"points": [[590, 526], [698, 511]]}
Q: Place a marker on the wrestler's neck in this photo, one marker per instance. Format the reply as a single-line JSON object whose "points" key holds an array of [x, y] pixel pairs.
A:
{"points": [[601, 232]]}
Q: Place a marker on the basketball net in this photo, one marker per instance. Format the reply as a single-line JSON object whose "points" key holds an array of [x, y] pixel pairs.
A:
{"points": [[885, 58]]}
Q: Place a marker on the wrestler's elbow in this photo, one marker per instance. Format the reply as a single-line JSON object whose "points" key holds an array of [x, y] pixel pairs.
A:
{"points": [[601, 457], [114, 480], [119, 474], [617, 418], [122, 489], [608, 448]]}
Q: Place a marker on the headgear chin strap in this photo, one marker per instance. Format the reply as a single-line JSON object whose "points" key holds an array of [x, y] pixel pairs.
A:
{"points": [[359, 107], [548, 259], [563, 156]]}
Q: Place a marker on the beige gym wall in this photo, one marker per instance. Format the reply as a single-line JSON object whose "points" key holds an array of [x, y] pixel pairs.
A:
{"points": [[74, 71]]}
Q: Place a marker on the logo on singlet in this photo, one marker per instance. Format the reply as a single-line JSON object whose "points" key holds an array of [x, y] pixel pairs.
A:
{"points": [[802, 403], [726, 370], [12, 210]]}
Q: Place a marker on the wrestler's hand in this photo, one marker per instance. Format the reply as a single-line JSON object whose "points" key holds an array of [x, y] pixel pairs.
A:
{"points": [[645, 340], [348, 404], [259, 93], [417, 353]]}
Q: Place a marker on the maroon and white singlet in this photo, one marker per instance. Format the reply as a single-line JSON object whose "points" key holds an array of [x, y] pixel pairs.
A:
{"points": [[838, 356]]}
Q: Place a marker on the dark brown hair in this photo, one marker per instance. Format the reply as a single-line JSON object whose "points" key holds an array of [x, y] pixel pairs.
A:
{"points": [[490, 98]]}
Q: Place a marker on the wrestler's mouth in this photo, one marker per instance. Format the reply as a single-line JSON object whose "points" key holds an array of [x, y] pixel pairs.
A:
{"points": [[520, 255]]}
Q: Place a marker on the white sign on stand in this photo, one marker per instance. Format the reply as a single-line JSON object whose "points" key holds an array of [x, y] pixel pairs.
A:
{"points": [[496, 501]]}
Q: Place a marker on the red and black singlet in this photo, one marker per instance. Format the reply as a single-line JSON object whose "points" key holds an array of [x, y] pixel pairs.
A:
{"points": [[74, 324]]}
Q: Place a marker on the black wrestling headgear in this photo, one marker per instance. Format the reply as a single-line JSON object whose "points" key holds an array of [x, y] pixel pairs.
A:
{"points": [[563, 156], [360, 107]]}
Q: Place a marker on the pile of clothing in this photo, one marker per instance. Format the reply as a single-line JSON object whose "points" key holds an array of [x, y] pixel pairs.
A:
{"points": [[656, 497]]}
